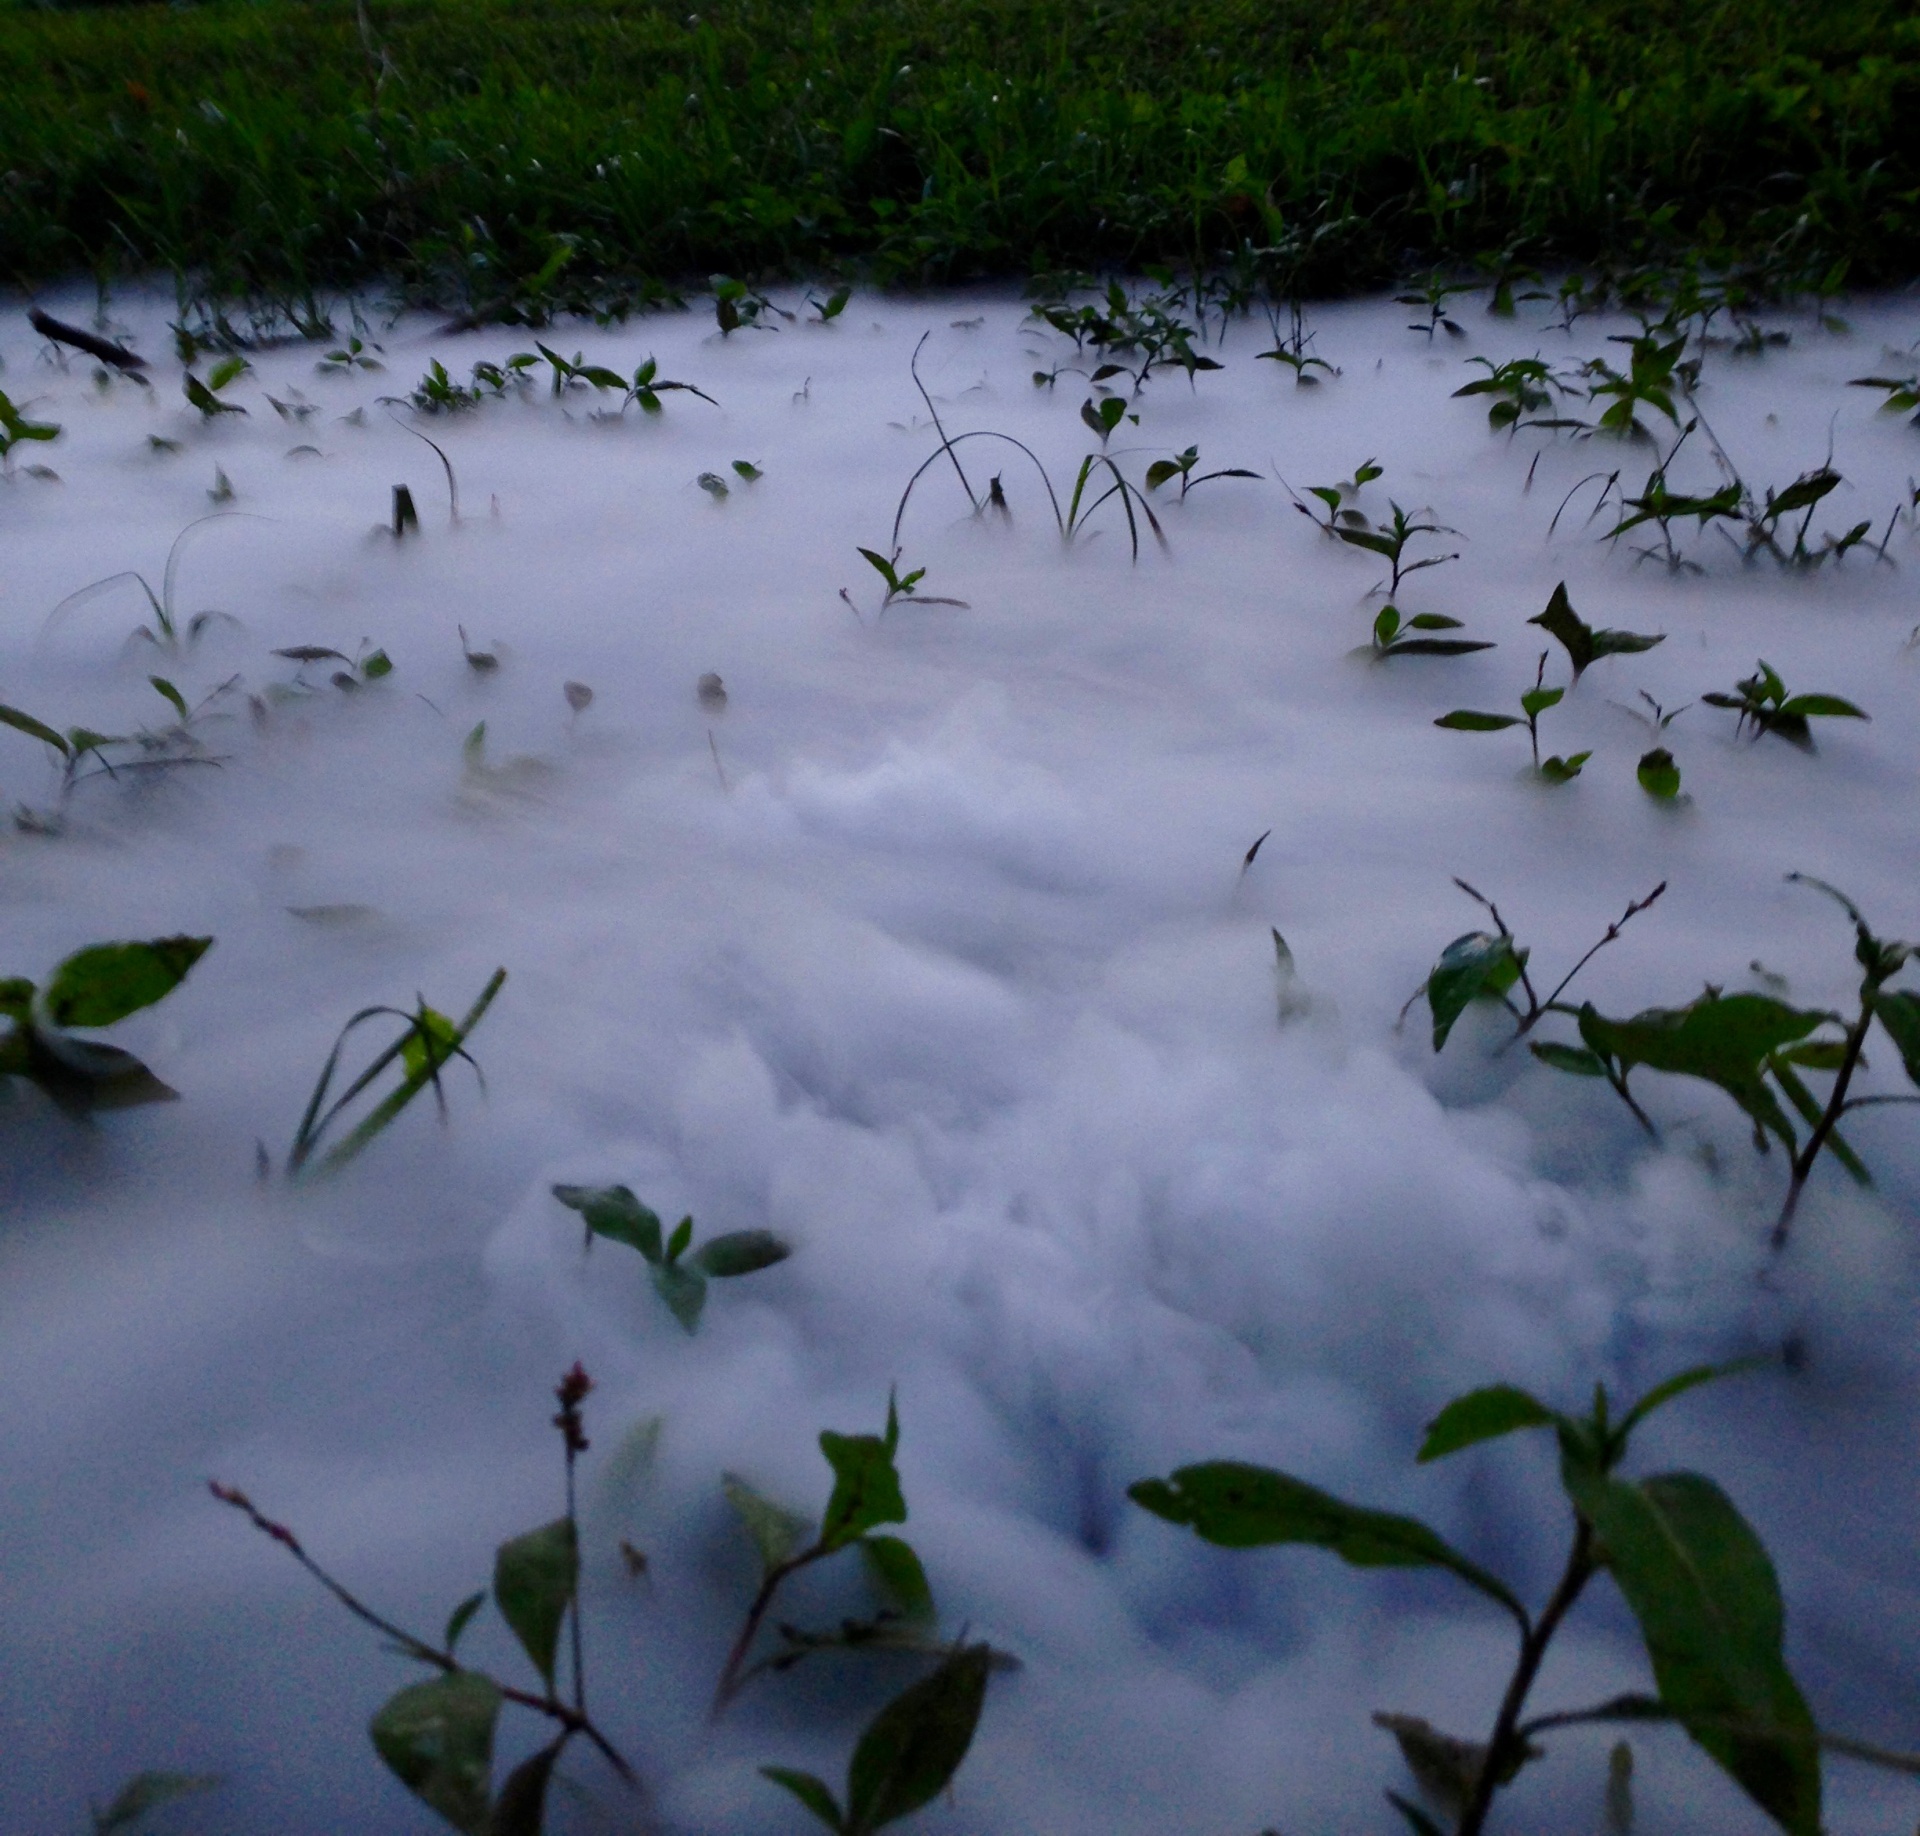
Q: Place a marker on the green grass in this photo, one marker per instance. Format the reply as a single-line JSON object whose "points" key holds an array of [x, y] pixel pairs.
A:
{"points": [[573, 151]]}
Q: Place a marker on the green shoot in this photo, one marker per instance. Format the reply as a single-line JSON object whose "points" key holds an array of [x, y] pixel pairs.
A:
{"points": [[1762, 702], [1389, 639], [364, 666], [827, 310], [1290, 347], [1535, 702], [679, 1278], [355, 354], [206, 396], [1344, 523], [1521, 386], [736, 305], [1433, 294], [1902, 393], [1181, 466], [427, 1042], [899, 585], [16, 428]]}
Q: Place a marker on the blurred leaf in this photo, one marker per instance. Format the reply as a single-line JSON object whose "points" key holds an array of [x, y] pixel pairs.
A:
{"points": [[1476, 965], [1898, 1010], [25, 723], [1447, 1767], [740, 1252], [457, 1620], [430, 1043], [1483, 1415], [147, 1791], [811, 1792], [898, 1573], [1539, 700], [437, 1737], [866, 1488], [1465, 720], [1557, 770], [916, 1743], [226, 371], [1659, 776], [1799, 707], [684, 1291], [1574, 1059], [1417, 1820], [1581, 642], [613, 1211], [16, 997], [777, 1533], [521, 1808], [106, 982], [1701, 1585], [376, 665], [682, 1236], [172, 694], [534, 1577], [1247, 1507]]}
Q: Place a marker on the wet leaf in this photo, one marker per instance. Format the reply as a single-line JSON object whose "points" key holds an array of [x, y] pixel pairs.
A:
{"points": [[430, 1044], [534, 1577], [106, 982], [437, 1737]]}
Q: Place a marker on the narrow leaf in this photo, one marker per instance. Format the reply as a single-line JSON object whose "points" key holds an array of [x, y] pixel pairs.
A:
{"points": [[534, 1577], [915, 1745], [740, 1252], [1466, 720]]}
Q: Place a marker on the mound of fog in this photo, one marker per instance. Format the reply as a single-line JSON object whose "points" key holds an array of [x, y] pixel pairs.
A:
{"points": [[933, 952]]}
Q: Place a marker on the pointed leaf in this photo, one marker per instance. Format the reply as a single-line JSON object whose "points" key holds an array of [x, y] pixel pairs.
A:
{"points": [[521, 1808], [1474, 966], [777, 1532], [172, 694], [898, 1573], [1898, 1010], [1466, 720], [437, 1737], [534, 1577], [613, 1211], [106, 982], [147, 1791], [1247, 1507], [916, 1743], [682, 1236], [458, 1619], [25, 723], [1799, 707], [430, 1044], [1560, 621], [811, 1792], [1575, 1060], [1483, 1415], [740, 1252], [1625, 643], [866, 1488], [1539, 700], [1704, 1591]]}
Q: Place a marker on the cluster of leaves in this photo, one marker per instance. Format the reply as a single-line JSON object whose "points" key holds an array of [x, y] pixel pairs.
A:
{"points": [[1695, 1576], [1341, 520], [679, 1279], [438, 393], [1763, 704], [737, 306], [1132, 336], [94, 987]]}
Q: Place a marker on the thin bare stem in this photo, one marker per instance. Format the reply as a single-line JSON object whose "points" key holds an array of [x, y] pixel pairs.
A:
{"points": [[946, 445], [1613, 930]]}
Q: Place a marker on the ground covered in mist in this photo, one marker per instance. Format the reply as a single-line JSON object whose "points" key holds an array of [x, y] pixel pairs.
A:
{"points": [[933, 951]]}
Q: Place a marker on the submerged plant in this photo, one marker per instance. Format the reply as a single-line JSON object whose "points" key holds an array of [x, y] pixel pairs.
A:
{"points": [[1582, 643], [437, 1736], [1695, 1576], [94, 987], [1133, 336], [1902, 393], [427, 1043], [1520, 386], [1433, 294], [16, 428], [1390, 639], [170, 631], [206, 397], [1533, 703], [679, 1278], [1655, 371], [1389, 540], [1181, 466], [737, 305], [1290, 347], [1762, 702]]}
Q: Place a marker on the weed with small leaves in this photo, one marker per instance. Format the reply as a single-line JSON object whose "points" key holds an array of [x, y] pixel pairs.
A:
{"points": [[1533, 703]]}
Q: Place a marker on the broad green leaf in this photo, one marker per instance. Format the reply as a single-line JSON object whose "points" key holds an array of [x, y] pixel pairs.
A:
{"points": [[534, 1577], [898, 1573], [1433, 621], [458, 1619], [1483, 1415], [811, 1792], [1539, 700], [777, 1532], [521, 1808], [1465, 720], [1159, 472], [683, 1289], [1385, 624], [1560, 621], [16, 997], [1474, 965], [25, 723], [82, 1075], [740, 1252], [1829, 706], [147, 1791], [1725, 1039], [1557, 770], [106, 982], [437, 1737], [866, 1488], [1247, 1507], [376, 665], [1704, 1591], [431, 1029], [1898, 1010], [916, 1743], [1574, 1059], [225, 371], [613, 1211], [1659, 776]]}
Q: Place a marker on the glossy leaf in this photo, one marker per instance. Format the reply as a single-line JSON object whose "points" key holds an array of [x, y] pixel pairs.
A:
{"points": [[437, 1737], [1704, 1591], [534, 1577], [613, 1211], [1472, 966], [866, 1488], [777, 1533], [1248, 1507], [914, 1746], [740, 1252], [1483, 1415], [106, 982]]}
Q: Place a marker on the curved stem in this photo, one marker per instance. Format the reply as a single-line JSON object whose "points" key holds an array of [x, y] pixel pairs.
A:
{"points": [[946, 445], [1836, 1107], [731, 1678]]}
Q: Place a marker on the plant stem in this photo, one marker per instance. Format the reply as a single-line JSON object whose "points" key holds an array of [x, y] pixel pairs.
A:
{"points": [[1504, 1740], [730, 1677], [1836, 1107]]}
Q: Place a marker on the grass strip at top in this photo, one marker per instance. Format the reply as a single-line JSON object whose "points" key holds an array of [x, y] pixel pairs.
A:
{"points": [[573, 151]]}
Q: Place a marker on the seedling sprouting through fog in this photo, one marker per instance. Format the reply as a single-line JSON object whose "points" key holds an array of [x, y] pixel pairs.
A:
{"points": [[1762, 702], [1535, 702], [1388, 540]]}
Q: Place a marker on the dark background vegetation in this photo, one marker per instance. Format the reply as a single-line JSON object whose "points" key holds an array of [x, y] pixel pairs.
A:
{"points": [[559, 150]]}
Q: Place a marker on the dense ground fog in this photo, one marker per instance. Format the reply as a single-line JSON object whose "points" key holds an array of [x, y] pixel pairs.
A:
{"points": [[933, 951]]}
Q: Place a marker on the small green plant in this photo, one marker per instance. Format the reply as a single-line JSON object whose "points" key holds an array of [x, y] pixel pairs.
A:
{"points": [[901, 586], [436, 1737], [1695, 1576], [649, 385], [355, 354], [145, 1793], [1181, 466], [427, 1043], [1344, 523], [170, 631], [92, 988], [737, 305], [73, 750], [827, 310], [1521, 386], [1290, 347], [1390, 639], [679, 1278], [1655, 370], [1103, 414], [1765, 517], [1902, 393], [1658, 505], [1762, 702], [1583, 644], [909, 1752], [1533, 703], [15, 428], [1133, 336], [206, 396], [364, 666], [866, 1495], [1433, 294], [437, 392]]}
